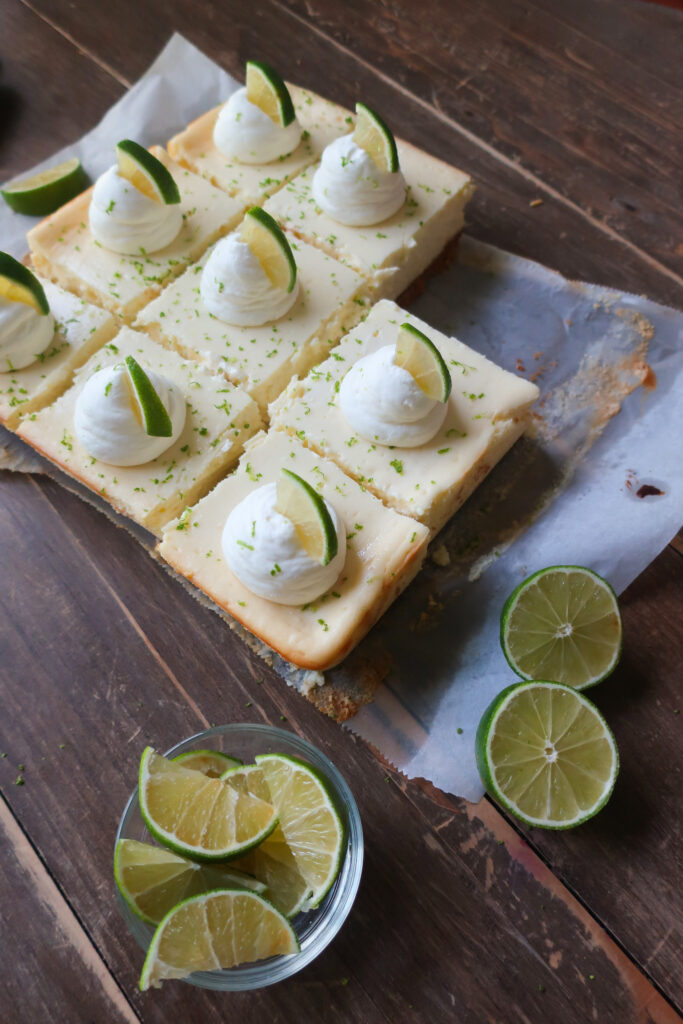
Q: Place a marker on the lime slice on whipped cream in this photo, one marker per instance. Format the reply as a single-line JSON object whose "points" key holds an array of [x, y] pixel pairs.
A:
{"points": [[374, 136], [147, 174], [269, 244], [267, 91], [19, 284], [46, 191], [307, 511], [153, 413], [423, 361]]}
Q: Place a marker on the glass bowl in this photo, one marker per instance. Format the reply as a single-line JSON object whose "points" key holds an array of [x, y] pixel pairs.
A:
{"points": [[315, 929]]}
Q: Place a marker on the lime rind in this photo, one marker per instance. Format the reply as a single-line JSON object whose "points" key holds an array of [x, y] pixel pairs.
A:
{"points": [[269, 224], [155, 417], [45, 192], [383, 131], [485, 731], [147, 967], [123, 888], [278, 88], [17, 274], [435, 358], [511, 604], [330, 546], [161, 183]]}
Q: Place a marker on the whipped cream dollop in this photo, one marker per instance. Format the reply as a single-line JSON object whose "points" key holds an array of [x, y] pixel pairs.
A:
{"points": [[244, 133], [350, 187], [262, 548], [236, 289], [383, 403], [125, 220], [24, 334], [108, 423]]}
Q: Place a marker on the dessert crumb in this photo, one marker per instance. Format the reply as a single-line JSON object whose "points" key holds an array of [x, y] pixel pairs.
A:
{"points": [[536, 202], [440, 556]]}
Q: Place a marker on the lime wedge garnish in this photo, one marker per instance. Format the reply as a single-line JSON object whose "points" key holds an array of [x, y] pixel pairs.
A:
{"points": [[210, 762], [309, 820], [198, 816], [217, 929], [272, 862], [267, 91], [562, 623], [306, 509], [376, 138], [546, 754], [46, 191], [146, 173], [423, 361], [19, 284], [152, 880], [269, 244], [153, 412]]}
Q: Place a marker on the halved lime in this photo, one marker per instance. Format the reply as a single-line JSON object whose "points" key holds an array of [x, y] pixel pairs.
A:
{"points": [[562, 623], [309, 820], [267, 90], [146, 173], [152, 880], [269, 244], [217, 929], [210, 762], [153, 412], [272, 862], [423, 361], [546, 754], [46, 191], [197, 816], [306, 509], [376, 138], [19, 284]]}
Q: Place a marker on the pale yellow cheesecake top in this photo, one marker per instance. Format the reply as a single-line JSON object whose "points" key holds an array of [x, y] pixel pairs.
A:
{"points": [[218, 421], [321, 121], [384, 550], [483, 400], [262, 359], [64, 248]]}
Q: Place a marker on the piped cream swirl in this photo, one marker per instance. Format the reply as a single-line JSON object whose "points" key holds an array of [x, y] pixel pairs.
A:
{"points": [[24, 334], [350, 187], [263, 550], [243, 132], [236, 289], [123, 219], [382, 403]]}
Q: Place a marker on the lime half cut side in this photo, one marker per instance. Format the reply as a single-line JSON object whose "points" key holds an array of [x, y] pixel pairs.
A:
{"points": [[562, 623], [546, 754], [270, 246], [214, 930], [19, 284], [374, 136], [46, 191], [417, 354], [197, 816], [147, 174], [267, 91], [307, 511]]}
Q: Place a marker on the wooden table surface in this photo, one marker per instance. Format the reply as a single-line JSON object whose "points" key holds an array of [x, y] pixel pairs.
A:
{"points": [[462, 915]]}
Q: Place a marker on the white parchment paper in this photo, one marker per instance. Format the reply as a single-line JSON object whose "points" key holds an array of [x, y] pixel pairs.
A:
{"points": [[610, 368]]}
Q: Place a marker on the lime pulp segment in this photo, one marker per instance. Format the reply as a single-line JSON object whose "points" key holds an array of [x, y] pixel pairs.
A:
{"points": [[210, 762]]}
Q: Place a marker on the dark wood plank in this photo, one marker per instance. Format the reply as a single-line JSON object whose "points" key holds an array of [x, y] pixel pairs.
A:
{"points": [[444, 928], [375, 64], [55, 968]]}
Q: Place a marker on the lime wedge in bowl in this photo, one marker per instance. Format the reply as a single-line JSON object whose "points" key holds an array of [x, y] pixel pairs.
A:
{"points": [[306, 509], [267, 90], [417, 354], [546, 754], [210, 762], [562, 623], [147, 174], [45, 192], [374, 136]]}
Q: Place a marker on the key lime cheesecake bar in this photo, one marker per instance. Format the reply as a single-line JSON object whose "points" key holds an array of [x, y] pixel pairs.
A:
{"points": [[261, 137], [44, 337], [146, 218], [421, 438], [381, 205], [224, 310], [144, 428], [296, 551]]}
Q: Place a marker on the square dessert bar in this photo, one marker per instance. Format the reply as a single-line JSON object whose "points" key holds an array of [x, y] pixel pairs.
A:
{"points": [[384, 552], [261, 359], [397, 251], [219, 419], [320, 120], [80, 330], [487, 413], [63, 249]]}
